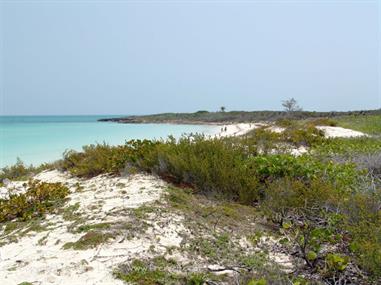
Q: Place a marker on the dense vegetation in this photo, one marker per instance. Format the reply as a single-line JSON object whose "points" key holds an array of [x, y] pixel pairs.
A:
{"points": [[326, 204], [236, 116]]}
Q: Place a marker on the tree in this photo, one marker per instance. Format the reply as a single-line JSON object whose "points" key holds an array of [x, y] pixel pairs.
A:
{"points": [[291, 105], [222, 108]]}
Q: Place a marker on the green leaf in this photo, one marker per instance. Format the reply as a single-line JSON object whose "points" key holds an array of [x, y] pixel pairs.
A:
{"points": [[286, 225], [311, 255]]}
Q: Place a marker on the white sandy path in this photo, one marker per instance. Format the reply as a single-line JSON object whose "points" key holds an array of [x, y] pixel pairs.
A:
{"points": [[27, 260], [244, 128], [237, 129]]}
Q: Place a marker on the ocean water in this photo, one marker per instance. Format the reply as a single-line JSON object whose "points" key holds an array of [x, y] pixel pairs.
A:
{"points": [[38, 139]]}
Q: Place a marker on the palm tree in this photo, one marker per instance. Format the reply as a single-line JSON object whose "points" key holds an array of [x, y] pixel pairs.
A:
{"points": [[222, 108]]}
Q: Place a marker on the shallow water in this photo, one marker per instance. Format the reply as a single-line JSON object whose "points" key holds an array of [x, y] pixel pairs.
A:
{"points": [[38, 139]]}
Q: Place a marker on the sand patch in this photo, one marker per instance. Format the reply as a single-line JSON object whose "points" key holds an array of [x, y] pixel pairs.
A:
{"points": [[39, 257], [338, 132]]}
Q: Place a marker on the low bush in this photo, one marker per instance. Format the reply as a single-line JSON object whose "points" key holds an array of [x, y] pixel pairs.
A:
{"points": [[94, 160], [307, 136], [89, 240], [347, 147], [39, 198], [322, 122], [306, 214], [288, 198], [318, 214], [230, 167], [159, 271], [19, 171], [269, 168], [362, 214], [370, 162], [286, 123], [103, 158], [262, 271], [209, 166], [261, 141]]}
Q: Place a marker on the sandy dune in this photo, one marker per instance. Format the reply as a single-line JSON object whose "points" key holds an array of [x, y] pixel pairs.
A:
{"points": [[338, 132], [39, 257]]}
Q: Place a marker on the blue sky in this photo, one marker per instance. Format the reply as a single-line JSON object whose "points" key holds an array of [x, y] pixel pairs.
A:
{"points": [[135, 57]]}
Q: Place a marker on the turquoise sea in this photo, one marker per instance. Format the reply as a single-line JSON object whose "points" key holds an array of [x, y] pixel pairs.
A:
{"points": [[38, 139]]}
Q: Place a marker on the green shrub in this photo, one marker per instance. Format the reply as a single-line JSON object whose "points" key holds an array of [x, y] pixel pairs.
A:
{"points": [[89, 240], [348, 147], [272, 167], [363, 222], [322, 122], [286, 123], [336, 262], [209, 166], [158, 271], [94, 160], [305, 211], [39, 198], [262, 270], [287, 198], [261, 140], [318, 213], [102, 158], [19, 171], [226, 166], [140, 273], [305, 136]]}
